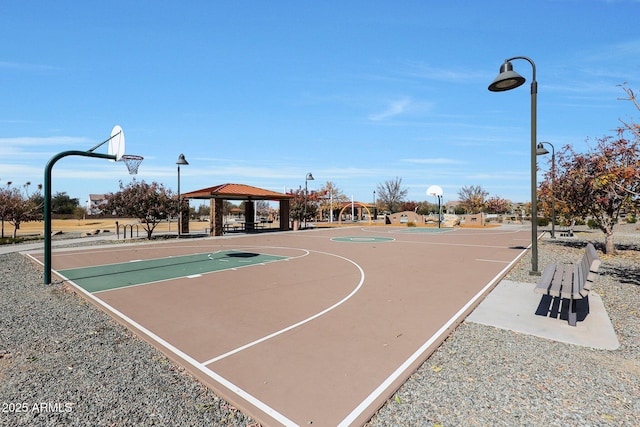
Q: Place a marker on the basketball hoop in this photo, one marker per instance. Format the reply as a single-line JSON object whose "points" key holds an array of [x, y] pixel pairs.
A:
{"points": [[132, 162]]}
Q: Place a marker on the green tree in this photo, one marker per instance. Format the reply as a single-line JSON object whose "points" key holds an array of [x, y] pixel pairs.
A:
{"points": [[391, 194], [149, 203], [61, 203]]}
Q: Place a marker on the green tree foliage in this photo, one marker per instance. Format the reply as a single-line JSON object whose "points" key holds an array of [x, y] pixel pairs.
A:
{"points": [[61, 203], [149, 203], [391, 194], [18, 206]]}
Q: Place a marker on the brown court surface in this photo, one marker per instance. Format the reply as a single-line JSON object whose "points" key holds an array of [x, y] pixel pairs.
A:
{"points": [[322, 338]]}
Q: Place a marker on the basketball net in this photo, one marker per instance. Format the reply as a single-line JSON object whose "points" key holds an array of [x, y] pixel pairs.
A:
{"points": [[132, 162]]}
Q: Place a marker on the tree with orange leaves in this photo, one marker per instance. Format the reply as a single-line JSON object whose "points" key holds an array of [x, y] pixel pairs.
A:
{"points": [[599, 184]]}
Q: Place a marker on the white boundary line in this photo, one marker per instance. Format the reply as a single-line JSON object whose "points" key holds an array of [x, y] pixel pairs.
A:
{"points": [[375, 394], [202, 366], [359, 409], [197, 365]]}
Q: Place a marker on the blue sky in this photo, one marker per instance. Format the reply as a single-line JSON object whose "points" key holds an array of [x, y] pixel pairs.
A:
{"points": [[263, 92]]}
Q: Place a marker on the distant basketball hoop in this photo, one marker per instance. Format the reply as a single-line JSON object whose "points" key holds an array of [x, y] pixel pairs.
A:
{"points": [[132, 162]]}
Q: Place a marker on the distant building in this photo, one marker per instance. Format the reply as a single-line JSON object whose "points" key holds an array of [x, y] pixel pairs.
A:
{"points": [[95, 204], [451, 206]]}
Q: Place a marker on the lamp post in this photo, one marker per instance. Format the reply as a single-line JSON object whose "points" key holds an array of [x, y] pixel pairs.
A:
{"points": [[181, 162], [308, 178], [507, 80], [375, 210], [540, 150]]}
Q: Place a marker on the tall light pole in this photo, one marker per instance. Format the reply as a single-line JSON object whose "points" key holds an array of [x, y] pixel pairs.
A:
{"points": [[181, 162], [308, 178], [540, 150], [507, 80]]}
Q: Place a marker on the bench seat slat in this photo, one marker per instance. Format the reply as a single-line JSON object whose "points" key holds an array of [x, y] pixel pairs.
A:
{"points": [[563, 283]]}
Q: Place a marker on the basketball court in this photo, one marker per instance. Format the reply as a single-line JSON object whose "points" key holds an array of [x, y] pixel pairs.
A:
{"points": [[297, 328]]}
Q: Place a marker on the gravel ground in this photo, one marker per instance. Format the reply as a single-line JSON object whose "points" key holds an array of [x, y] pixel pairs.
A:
{"points": [[483, 375], [63, 362]]}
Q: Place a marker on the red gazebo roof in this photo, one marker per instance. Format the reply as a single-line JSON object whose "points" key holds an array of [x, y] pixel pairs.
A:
{"points": [[236, 192]]}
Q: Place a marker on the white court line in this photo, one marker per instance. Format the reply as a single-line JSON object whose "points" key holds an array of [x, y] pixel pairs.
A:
{"points": [[300, 323], [188, 359], [418, 353], [199, 366], [305, 253], [493, 260]]}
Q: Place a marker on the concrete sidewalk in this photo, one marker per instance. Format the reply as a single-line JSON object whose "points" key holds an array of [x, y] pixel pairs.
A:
{"points": [[22, 247], [512, 306]]}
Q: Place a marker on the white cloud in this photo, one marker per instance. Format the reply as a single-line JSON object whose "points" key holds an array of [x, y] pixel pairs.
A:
{"points": [[394, 108]]}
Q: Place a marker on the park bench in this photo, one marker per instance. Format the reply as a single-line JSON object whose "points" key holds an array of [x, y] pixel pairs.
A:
{"points": [[565, 288]]}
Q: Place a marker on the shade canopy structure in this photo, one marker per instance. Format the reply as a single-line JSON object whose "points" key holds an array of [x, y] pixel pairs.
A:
{"points": [[218, 193], [236, 192]]}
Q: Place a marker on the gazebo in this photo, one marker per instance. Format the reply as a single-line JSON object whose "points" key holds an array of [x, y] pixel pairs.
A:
{"points": [[217, 194]]}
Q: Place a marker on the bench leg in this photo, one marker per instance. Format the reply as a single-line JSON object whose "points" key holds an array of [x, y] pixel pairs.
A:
{"points": [[579, 310], [572, 315]]}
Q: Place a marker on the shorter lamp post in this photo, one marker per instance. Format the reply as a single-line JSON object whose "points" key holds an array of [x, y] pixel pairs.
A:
{"points": [[540, 151], [308, 178], [375, 210], [181, 162]]}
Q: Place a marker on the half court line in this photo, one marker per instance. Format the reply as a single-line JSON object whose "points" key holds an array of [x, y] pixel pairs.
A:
{"points": [[300, 323]]}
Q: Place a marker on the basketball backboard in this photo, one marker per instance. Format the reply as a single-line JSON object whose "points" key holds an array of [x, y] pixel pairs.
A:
{"points": [[116, 143], [434, 191]]}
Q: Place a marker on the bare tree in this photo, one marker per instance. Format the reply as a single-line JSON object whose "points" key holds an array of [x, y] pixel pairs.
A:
{"points": [[391, 194]]}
